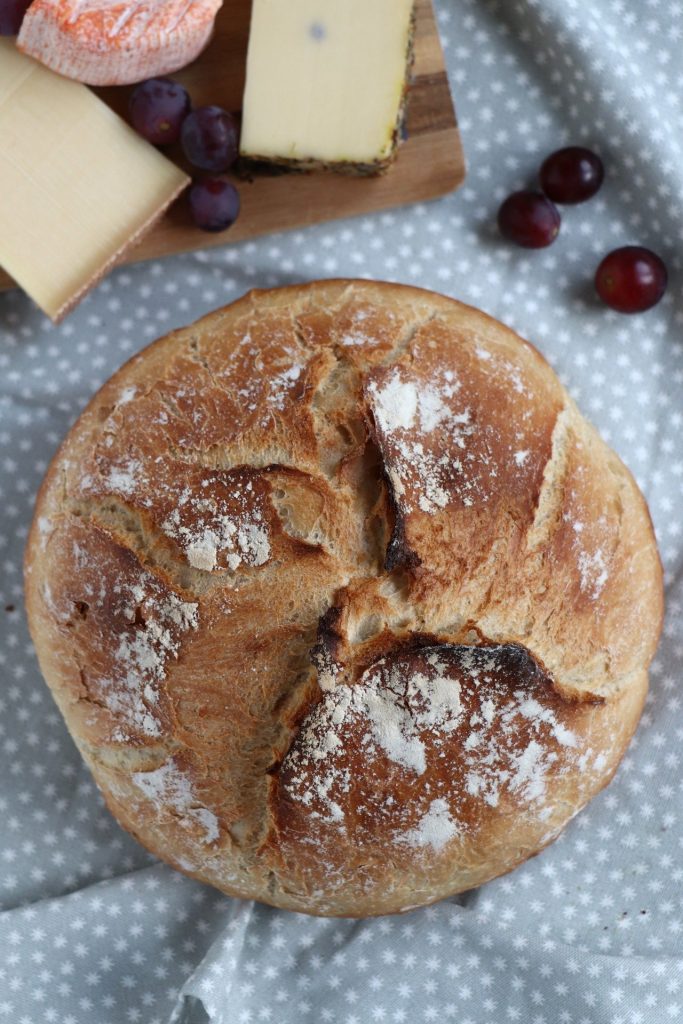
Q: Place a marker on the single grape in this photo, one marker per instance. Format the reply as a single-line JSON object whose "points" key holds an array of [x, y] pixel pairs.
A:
{"points": [[11, 16], [209, 139], [214, 204], [572, 175], [631, 279], [529, 219], [158, 108]]}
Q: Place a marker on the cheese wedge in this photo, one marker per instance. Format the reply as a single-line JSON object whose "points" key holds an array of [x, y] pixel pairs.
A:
{"points": [[78, 187], [326, 81], [115, 42]]}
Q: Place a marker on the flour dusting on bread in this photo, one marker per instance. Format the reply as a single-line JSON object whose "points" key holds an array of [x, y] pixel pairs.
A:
{"points": [[143, 651], [124, 479], [436, 828], [170, 789], [593, 572], [213, 539], [426, 439], [419, 709]]}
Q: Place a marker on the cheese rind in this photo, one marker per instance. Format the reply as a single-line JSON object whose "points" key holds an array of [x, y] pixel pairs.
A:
{"points": [[115, 42], [325, 81], [78, 187]]}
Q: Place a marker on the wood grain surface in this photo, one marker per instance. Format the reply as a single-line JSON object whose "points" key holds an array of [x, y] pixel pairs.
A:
{"points": [[430, 161]]}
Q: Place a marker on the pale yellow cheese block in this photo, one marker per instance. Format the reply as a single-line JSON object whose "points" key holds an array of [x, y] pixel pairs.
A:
{"points": [[78, 186], [325, 80]]}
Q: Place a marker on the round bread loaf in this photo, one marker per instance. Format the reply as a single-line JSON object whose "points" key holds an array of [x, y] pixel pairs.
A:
{"points": [[345, 605]]}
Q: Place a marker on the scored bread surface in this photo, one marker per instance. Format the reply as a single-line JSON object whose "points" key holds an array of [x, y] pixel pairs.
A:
{"points": [[345, 605]]}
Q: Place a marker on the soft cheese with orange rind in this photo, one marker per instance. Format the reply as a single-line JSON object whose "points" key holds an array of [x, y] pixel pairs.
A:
{"points": [[116, 42]]}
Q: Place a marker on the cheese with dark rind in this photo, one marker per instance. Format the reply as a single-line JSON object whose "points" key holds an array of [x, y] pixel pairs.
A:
{"points": [[326, 83]]}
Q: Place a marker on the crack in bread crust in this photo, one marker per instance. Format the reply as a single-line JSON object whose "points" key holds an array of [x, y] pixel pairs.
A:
{"points": [[549, 505]]}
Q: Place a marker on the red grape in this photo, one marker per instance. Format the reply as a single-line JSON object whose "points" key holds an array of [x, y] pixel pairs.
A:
{"points": [[631, 279], [214, 204], [11, 16], [572, 175], [158, 108], [209, 139], [529, 219]]}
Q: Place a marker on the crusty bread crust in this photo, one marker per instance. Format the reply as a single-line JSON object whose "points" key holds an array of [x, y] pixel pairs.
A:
{"points": [[345, 605]]}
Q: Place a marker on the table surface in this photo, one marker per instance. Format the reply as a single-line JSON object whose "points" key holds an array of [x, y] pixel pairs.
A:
{"points": [[590, 931]]}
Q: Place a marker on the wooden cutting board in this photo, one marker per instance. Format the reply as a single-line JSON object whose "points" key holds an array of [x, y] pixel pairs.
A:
{"points": [[430, 161]]}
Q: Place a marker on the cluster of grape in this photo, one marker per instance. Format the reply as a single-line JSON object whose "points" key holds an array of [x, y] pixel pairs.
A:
{"points": [[630, 279], [161, 111]]}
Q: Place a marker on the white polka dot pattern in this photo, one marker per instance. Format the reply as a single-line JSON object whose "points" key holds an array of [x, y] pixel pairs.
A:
{"points": [[589, 932]]}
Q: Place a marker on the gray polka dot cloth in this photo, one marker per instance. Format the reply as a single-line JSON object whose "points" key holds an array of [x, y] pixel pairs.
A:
{"points": [[93, 929]]}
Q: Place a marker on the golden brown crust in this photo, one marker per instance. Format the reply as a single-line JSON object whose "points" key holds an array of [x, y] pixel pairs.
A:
{"points": [[345, 605]]}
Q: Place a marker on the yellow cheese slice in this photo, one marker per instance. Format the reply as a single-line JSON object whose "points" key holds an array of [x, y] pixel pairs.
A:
{"points": [[325, 79], [77, 185]]}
